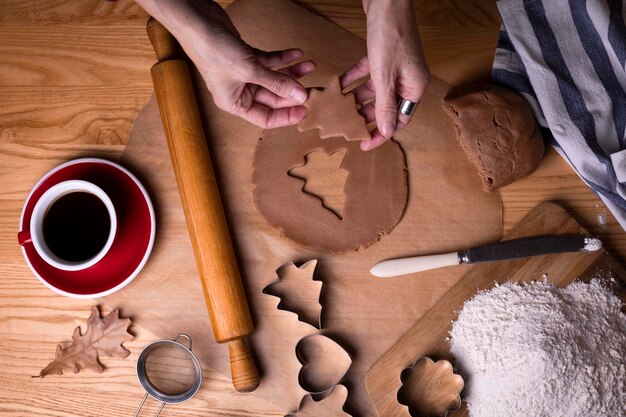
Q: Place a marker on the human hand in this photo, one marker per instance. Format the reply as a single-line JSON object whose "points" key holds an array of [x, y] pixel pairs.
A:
{"points": [[395, 64], [239, 77]]}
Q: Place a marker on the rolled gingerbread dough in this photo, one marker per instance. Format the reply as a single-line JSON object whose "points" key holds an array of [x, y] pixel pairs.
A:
{"points": [[376, 190]]}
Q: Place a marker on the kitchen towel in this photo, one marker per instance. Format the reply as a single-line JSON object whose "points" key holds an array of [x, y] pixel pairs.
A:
{"points": [[567, 59]]}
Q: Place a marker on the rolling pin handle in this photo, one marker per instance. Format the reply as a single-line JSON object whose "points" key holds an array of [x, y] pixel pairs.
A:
{"points": [[242, 368]]}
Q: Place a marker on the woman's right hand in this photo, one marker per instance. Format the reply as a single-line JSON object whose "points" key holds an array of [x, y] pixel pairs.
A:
{"points": [[240, 78], [395, 65]]}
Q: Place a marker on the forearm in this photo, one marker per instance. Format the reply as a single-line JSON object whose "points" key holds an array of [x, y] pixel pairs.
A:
{"points": [[239, 77], [391, 18], [400, 8], [194, 23], [168, 13]]}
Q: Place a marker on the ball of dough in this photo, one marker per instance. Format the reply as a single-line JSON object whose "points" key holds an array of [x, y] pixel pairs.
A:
{"points": [[496, 129]]}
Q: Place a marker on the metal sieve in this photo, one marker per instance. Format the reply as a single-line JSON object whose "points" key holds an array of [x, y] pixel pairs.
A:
{"points": [[169, 372]]}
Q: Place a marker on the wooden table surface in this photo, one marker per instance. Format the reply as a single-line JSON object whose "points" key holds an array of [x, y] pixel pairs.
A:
{"points": [[73, 76]]}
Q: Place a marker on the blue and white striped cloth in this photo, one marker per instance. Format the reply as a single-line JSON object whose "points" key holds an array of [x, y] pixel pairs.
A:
{"points": [[567, 58]]}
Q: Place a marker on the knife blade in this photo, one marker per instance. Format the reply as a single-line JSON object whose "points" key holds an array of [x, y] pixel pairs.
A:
{"points": [[505, 250]]}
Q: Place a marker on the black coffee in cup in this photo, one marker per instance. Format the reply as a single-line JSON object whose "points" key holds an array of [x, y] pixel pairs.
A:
{"points": [[76, 226]]}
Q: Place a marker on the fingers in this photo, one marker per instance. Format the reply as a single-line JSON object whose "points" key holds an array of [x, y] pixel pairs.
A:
{"points": [[401, 124], [364, 93], [280, 58], [377, 140], [411, 86], [267, 118], [275, 95], [299, 70], [360, 70], [368, 112], [280, 84], [273, 101], [402, 120], [274, 59], [386, 106], [267, 98]]}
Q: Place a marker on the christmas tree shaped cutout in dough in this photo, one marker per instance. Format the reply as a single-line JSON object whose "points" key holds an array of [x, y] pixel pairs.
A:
{"points": [[324, 178], [334, 114]]}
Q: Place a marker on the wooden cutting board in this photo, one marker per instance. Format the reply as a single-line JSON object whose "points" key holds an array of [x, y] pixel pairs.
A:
{"points": [[428, 336]]}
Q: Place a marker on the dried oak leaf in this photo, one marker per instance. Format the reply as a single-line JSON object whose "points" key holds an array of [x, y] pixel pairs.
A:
{"points": [[104, 337]]}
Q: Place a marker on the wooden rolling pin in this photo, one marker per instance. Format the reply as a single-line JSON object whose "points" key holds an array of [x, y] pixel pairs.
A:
{"points": [[213, 249]]}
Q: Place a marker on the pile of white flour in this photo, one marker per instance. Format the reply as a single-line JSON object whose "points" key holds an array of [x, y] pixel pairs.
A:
{"points": [[539, 351]]}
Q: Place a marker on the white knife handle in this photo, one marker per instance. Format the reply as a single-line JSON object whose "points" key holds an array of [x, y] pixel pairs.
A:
{"points": [[395, 267]]}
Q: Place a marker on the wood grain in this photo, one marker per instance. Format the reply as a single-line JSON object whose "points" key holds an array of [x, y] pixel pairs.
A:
{"points": [[58, 104], [86, 57], [56, 11], [66, 116]]}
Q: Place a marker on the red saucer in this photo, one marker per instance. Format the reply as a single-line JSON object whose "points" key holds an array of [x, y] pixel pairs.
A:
{"points": [[133, 241]]}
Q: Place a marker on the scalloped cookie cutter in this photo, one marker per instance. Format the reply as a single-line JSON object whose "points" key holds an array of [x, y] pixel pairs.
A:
{"points": [[430, 388]]}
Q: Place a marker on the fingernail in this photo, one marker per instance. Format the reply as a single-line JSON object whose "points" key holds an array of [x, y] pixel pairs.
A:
{"points": [[387, 129], [299, 95]]}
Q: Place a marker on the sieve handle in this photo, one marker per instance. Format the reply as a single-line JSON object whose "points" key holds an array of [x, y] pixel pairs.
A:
{"points": [[146, 397], [160, 409], [186, 336]]}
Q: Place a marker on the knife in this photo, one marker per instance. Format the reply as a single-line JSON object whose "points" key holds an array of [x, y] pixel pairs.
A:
{"points": [[505, 250]]}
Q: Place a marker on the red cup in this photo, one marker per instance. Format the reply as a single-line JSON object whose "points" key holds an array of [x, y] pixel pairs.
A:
{"points": [[130, 240]]}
